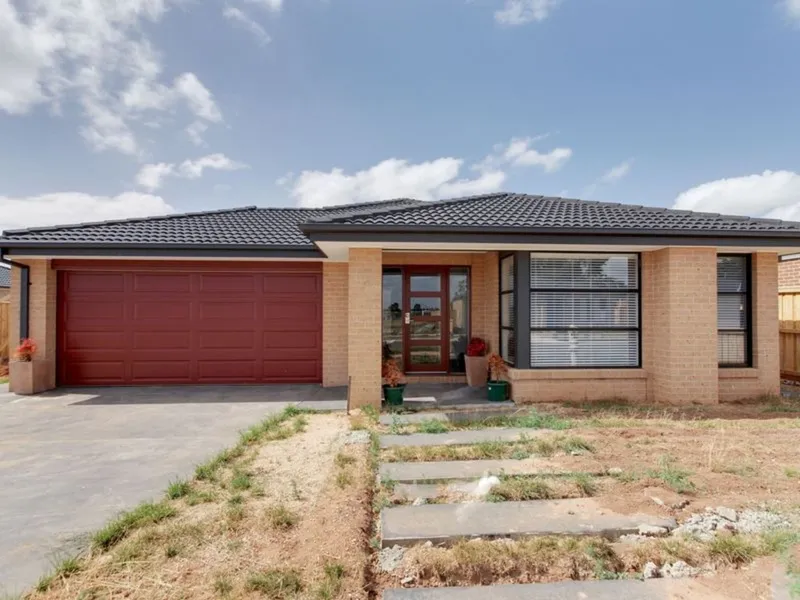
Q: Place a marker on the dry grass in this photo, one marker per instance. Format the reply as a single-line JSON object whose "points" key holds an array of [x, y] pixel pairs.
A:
{"points": [[546, 446], [266, 520], [524, 561]]}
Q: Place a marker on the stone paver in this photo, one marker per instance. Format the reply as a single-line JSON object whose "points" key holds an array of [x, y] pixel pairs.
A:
{"points": [[564, 590], [423, 472], [475, 413], [73, 458], [446, 523], [455, 438]]}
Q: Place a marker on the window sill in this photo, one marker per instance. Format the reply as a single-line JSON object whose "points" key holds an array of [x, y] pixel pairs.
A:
{"points": [[551, 374]]}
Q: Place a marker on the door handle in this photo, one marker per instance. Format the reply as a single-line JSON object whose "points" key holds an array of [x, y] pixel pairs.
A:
{"points": [[407, 318]]}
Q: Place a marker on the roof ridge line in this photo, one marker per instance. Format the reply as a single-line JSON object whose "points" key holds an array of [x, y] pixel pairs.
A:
{"points": [[420, 204], [120, 221]]}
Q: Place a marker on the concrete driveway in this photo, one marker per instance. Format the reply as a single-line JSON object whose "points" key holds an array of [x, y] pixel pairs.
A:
{"points": [[73, 458]]}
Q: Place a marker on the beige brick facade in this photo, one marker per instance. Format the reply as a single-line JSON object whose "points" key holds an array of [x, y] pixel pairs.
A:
{"points": [[42, 314], [364, 326], [789, 275], [334, 324]]}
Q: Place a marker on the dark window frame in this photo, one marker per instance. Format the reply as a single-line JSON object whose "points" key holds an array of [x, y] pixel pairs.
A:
{"points": [[638, 329], [748, 313], [513, 329]]}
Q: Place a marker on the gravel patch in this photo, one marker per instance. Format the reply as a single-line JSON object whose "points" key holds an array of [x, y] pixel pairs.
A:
{"points": [[705, 525], [390, 559], [357, 437]]}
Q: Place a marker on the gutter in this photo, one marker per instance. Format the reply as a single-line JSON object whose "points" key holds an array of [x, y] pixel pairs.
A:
{"points": [[24, 294]]}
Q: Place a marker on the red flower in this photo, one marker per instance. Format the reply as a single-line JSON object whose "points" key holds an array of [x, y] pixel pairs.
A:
{"points": [[476, 347], [25, 350]]}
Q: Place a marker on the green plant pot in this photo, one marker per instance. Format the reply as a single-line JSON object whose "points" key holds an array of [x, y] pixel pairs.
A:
{"points": [[394, 395], [498, 391]]}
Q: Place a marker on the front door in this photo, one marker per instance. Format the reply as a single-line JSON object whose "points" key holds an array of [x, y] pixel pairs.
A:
{"points": [[425, 331]]}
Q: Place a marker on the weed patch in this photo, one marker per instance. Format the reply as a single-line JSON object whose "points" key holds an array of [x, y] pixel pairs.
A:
{"points": [[280, 517], [332, 583], [520, 488], [144, 514], [672, 476], [241, 480], [279, 584], [432, 426], [178, 489]]}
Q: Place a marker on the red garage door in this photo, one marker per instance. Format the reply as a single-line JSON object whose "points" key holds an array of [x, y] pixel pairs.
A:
{"points": [[172, 324]]}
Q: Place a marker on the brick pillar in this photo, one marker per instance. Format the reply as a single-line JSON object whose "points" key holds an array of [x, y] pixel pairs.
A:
{"points": [[491, 276], [683, 361], [42, 314], [334, 324], [766, 340], [364, 326]]}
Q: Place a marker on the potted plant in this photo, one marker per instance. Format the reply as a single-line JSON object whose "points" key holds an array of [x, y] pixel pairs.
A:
{"points": [[476, 362], [393, 387], [26, 376], [498, 388]]}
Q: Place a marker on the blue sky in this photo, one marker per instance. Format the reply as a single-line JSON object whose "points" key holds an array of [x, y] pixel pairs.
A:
{"points": [[134, 107]]}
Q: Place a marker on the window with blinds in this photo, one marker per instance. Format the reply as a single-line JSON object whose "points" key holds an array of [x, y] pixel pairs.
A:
{"points": [[507, 315], [733, 318], [584, 310]]}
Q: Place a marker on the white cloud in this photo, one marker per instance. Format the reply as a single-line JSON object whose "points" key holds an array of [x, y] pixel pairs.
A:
{"points": [[618, 172], [73, 207], [392, 178], [241, 19], [271, 5], [520, 153], [95, 53], [792, 8], [192, 169], [773, 194], [195, 132], [151, 176], [519, 12]]}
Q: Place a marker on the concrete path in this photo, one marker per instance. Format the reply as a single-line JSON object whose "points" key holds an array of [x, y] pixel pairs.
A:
{"points": [[72, 459], [425, 472], [661, 589], [468, 413], [456, 438], [447, 523]]}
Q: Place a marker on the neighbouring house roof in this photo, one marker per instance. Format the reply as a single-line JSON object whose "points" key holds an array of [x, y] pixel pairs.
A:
{"points": [[253, 231], [5, 277]]}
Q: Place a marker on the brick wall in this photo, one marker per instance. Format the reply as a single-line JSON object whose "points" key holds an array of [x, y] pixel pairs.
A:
{"points": [[584, 385], [334, 324], [364, 293], [789, 275], [42, 313]]}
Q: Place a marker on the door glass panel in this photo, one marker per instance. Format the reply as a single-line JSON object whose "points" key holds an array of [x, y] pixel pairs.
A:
{"points": [[426, 283], [426, 330], [425, 355], [393, 314], [426, 307], [459, 318]]}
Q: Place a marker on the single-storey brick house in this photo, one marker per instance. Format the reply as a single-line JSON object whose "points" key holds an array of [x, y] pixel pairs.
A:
{"points": [[585, 300]]}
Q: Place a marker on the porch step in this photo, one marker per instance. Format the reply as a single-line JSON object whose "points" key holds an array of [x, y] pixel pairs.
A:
{"points": [[453, 470], [658, 589], [460, 438], [461, 414], [448, 523]]}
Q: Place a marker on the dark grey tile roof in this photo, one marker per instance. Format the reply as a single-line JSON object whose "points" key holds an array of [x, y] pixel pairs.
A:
{"points": [[5, 277], [249, 226], [521, 211]]}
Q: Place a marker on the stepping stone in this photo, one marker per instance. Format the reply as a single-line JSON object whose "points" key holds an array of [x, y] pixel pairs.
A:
{"points": [[564, 590], [452, 416], [456, 438], [427, 472], [448, 523]]}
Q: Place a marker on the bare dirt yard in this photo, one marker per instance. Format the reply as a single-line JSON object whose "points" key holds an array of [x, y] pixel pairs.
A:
{"points": [[284, 514]]}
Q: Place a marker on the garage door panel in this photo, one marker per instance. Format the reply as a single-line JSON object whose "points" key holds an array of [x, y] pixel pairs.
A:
{"points": [[162, 340], [299, 340], [162, 310], [102, 340], [228, 309], [173, 371], [291, 370], [291, 284], [248, 326], [106, 283], [227, 340], [162, 282], [98, 372], [227, 283]]}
